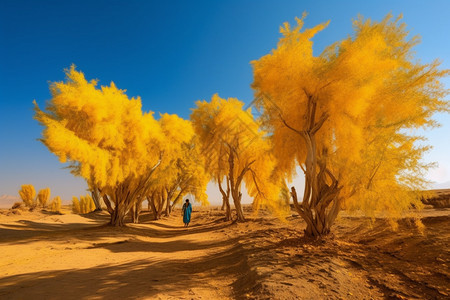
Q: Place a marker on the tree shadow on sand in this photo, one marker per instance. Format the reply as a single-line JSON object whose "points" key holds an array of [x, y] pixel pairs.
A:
{"points": [[25, 231], [142, 278]]}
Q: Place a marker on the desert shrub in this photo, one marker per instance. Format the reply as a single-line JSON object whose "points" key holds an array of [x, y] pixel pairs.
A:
{"points": [[55, 206], [28, 194], [43, 196], [17, 205], [92, 206], [84, 205], [75, 205]]}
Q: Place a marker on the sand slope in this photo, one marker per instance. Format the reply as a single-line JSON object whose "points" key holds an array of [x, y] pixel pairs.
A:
{"points": [[48, 256]]}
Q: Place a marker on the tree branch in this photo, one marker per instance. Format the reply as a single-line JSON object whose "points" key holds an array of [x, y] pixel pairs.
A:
{"points": [[302, 133], [319, 123]]}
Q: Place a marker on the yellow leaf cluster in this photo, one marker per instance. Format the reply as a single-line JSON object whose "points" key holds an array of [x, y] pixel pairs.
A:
{"points": [[28, 194], [75, 205], [44, 196], [55, 205], [228, 131], [100, 129], [84, 205]]}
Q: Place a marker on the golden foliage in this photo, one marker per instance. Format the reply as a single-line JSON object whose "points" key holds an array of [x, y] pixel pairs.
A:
{"points": [[366, 94], [76, 208], [84, 205], [44, 196], [28, 194], [55, 205], [236, 150], [104, 135], [182, 166], [181, 171], [103, 131]]}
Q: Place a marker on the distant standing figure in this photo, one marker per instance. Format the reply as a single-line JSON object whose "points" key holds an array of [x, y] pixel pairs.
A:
{"points": [[187, 209]]}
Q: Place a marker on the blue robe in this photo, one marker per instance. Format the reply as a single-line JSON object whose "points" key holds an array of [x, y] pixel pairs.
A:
{"points": [[187, 209]]}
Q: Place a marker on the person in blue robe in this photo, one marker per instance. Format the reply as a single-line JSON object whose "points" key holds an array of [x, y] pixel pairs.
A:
{"points": [[186, 212]]}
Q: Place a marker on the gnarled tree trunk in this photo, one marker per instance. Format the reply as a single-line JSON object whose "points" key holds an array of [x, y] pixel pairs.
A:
{"points": [[225, 199], [95, 194], [169, 197], [151, 204], [136, 210], [235, 189], [321, 187], [124, 196]]}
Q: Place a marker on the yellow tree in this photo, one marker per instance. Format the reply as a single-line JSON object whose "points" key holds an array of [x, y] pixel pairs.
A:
{"points": [[184, 175], [84, 206], [192, 178], [44, 196], [236, 151], [76, 206], [28, 194], [106, 135], [55, 205], [162, 188], [346, 117]]}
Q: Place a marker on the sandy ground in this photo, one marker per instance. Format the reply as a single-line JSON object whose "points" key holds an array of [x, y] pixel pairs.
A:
{"points": [[51, 256]]}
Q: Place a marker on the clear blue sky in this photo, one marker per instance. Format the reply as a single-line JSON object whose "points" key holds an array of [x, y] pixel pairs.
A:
{"points": [[170, 53]]}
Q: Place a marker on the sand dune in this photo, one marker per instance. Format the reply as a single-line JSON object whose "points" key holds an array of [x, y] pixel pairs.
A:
{"points": [[51, 256], [6, 201]]}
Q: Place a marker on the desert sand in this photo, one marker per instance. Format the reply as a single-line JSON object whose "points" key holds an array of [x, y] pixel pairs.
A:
{"points": [[67, 256]]}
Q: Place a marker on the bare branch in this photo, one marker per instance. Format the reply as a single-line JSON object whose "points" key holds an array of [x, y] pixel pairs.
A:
{"points": [[302, 133], [319, 123]]}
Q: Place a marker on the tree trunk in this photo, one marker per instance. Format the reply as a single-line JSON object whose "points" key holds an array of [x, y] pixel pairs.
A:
{"points": [[134, 215], [125, 195], [117, 217], [235, 185], [315, 208], [321, 186], [161, 204], [136, 211], [225, 199], [95, 194], [108, 204], [223, 204], [238, 206], [151, 204], [169, 197]]}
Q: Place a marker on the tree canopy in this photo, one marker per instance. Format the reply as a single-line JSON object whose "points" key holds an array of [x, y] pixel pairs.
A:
{"points": [[106, 135], [236, 151], [346, 116]]}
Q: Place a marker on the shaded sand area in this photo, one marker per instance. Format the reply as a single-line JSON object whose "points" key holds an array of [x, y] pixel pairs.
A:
{"points": [[50, 256]]}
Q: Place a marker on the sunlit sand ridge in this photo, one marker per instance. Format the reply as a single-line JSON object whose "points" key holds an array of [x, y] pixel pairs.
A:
{"points": [[70, 256]]}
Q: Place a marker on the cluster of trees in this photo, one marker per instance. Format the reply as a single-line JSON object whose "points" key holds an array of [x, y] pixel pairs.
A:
{"points": [[84, 205], [344, 117], [29, 198], [125, 155]]}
